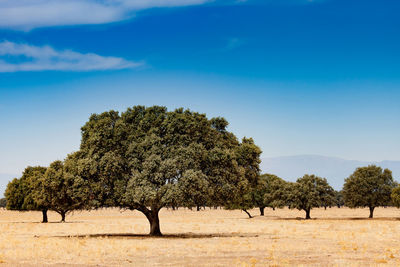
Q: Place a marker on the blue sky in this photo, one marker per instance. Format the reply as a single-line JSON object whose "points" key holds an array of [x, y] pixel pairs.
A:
{"points": [[300, 77]]}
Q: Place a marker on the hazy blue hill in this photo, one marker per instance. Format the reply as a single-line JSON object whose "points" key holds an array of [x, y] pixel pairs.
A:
{"points": [[333, 169]]}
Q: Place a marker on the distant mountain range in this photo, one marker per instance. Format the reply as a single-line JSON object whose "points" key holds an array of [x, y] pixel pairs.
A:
{"points": [[335, 170]]}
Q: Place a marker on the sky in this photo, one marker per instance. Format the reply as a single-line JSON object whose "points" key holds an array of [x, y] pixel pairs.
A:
{"points": [[299, 76]]}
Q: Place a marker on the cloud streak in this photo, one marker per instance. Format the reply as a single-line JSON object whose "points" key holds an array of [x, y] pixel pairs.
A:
{"points": [[23, 57], [29, 14]]}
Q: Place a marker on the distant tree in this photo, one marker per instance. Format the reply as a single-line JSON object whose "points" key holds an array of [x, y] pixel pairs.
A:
{"points": [[258, 193], [63, 191], [276, 192], [396, 196], [309, 192], [244, 202], [339, 199], [149, 158], [328, 198], [3, 202], [21, 193], [15, 194], [269, 191], [368, 187], [247, 155]]}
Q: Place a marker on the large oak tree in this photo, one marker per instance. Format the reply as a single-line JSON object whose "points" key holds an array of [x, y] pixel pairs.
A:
{"points": [[149, 158]]}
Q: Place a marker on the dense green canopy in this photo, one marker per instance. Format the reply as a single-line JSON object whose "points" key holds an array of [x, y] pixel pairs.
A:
{"points": [[275, 194], [62, 191], [150, 158], [22, 193], [339, 198], [309, 192], [3, 202], [368, 187], [268, 192], [396, 196]]}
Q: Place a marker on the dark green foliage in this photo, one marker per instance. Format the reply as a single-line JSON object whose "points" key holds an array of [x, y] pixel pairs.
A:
{"points": [[396, 196], [339, 199], [369, 187], [62, 191], [3, 202], [15, 195], [21, 194], [276, 192], [247, 155], [149, 158], [267, 193], [309, 192]]}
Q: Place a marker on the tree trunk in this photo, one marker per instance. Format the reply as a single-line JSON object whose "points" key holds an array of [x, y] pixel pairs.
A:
{"points": [[155, 225], [247, 213], [44, 213], [198, 208], [152, 217], [308, 214], [262, 211], [273, 208], [62, 213], [371, 212]]}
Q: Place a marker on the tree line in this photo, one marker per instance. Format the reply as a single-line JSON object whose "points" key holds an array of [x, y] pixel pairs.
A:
{"points": [[149, 158], [369, 187]]}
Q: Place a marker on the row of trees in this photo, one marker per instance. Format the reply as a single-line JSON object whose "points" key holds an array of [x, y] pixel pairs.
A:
{"points": [[146, 159], [55, 189], [367, 187], [44, 189]]}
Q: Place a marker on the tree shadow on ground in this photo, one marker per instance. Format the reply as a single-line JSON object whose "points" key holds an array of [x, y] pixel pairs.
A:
{"points": [[46, 223], [165, 236], [340, 219]]}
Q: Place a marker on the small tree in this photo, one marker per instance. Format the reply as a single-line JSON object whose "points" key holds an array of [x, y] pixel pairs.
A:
{"points": [[309, 192], [15, 194], [247, 190], [396, 196], [63, 191], [339, 199], [267, 192], [259, 192], [3, 202], [21, 193], [368, 187], [275, 195]]}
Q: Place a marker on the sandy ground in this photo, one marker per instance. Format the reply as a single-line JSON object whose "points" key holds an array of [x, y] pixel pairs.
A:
{"points": [[335, 237]]}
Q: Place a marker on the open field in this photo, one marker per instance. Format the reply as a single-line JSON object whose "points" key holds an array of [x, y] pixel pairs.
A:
{"points": [[337, 237]]}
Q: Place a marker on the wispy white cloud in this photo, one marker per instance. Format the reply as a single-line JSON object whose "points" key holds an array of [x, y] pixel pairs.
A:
{"points": [[30, 14], [23, 57]]}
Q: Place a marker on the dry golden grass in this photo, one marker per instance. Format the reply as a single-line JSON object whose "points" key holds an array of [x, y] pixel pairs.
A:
{"points": [[337, 237]]}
